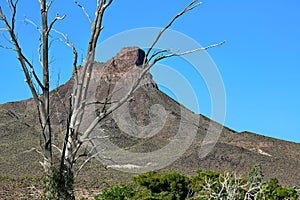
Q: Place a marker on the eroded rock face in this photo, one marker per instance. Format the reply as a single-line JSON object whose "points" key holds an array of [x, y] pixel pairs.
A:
{"points": [[125, 65], [128, 57]]}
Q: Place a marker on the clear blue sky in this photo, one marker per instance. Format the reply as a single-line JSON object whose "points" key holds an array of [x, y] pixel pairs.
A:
{"points": [[259, 64]]}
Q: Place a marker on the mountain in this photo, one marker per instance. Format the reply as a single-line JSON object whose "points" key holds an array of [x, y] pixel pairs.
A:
{"points": [[149, 132]]}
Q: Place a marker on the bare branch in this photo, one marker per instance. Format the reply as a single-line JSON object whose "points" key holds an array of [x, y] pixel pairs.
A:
{"points": [[49, 5], [177, 53], [85, 162], [90, 157], [45, 96], [90, 140], [8, 48], [97, 27], [35, 150], [101, 102], [80, 93], [146, 67], [195, 50], [82, 82], [156, 53], [193, 5], [39, 50], [13, 10], [9, 2], [57, 18], [38, 28], [189, 7], [57, 148], [33, 72], [84, 11], [66, 138], [67, 42]]}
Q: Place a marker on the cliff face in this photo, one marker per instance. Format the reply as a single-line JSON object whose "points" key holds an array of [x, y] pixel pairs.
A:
{"points": [[234, 151], [123, 65]]}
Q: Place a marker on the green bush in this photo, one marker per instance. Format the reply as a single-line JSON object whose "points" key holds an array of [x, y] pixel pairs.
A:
{"points": [[202, 177], [171, 185], [118, 193], [272, 190]]}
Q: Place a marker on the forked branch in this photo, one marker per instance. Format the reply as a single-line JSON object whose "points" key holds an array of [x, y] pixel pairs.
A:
{"points": [[53, 22]]}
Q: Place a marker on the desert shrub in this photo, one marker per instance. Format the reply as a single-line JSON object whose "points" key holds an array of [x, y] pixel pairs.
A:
{"points": [[255, 175], [169, 185], [272, 190], [203, 177], [118, 193]]}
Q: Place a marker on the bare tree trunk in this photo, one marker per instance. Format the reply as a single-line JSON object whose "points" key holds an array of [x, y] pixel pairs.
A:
{"points": [[58, 183], [46, 115]]}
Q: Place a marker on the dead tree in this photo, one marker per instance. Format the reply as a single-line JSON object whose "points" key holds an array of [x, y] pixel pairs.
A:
{"points": [[73, 141]]}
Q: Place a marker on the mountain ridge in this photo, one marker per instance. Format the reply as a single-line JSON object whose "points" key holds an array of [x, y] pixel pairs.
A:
{"points": [[233, 151]]}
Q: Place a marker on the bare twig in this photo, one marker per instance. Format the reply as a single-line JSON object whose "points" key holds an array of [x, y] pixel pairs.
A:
{"points": [[57, 148], [13, 10], [49, 4], [84, 11], [159, 55], [35, 150], [90, 157], [57, 18], [37, 79], [189, 7], [85, 162], [67, 42], [28, 21], [97, 27], [8, 48]]}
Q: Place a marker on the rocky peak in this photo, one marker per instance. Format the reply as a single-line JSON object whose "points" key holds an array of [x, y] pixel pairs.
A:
{"points": [[131, 56], [127, 59]]}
